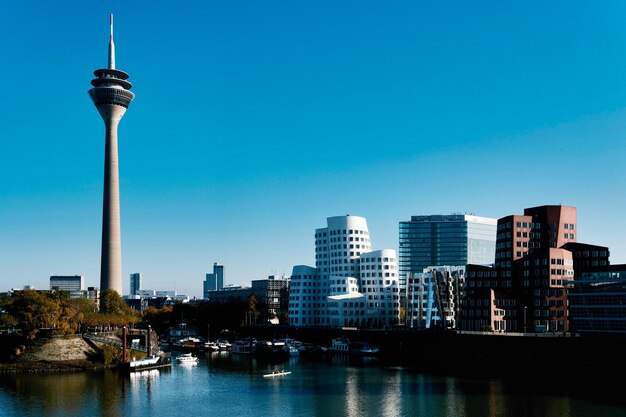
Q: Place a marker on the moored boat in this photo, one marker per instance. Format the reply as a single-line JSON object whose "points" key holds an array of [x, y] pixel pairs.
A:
{"points": [[186, 358], [344, 345], [149, 362], [211, 347], [271, 349], [243, 347], [223, 344]]}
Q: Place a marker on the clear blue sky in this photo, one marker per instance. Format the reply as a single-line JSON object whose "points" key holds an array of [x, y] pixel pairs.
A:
{"points": [[255, 121]]}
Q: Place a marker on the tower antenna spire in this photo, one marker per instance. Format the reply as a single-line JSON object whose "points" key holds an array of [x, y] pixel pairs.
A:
{"points": [[111, 45]]}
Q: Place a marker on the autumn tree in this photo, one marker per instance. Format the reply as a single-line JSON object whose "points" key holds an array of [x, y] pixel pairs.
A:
{"points": [[34, 310], [252, 309]]}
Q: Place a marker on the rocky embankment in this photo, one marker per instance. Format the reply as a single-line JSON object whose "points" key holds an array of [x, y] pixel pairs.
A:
{"points": [[56, 355]]}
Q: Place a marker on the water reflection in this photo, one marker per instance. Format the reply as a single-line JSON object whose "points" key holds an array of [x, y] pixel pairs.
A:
{"points": [[391, 404], [144, 382], [66, 394], [232, 385]]}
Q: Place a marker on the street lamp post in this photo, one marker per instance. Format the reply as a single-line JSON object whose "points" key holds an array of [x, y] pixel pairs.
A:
{"points": [[525, 308]]}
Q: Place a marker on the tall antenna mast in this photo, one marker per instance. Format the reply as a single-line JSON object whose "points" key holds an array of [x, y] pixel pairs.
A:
{"points": [[111, 45]]}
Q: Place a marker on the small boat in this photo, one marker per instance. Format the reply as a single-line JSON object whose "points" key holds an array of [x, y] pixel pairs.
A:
{"points": [[309, 349], [211, 347], [340, 344], [148, 363], [363, 348], [186, 358], [271, 349], [293, 351], [343, 345], [243, 347], [188, 343], [276, 373], [223, 344]]}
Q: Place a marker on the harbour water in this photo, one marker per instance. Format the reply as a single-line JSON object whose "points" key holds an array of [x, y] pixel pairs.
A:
{"points": [[222, 384]]}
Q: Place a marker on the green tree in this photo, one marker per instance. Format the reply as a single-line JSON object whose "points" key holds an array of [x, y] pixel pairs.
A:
{"points": [[112, 303]]}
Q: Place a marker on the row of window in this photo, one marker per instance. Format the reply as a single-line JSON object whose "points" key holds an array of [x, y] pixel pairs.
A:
{"points": [[380, 274], [343, 232], [345, 239], [491, 284], [375, 282]]}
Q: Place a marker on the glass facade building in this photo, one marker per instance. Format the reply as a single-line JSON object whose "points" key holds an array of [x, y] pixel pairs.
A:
{"points": [[67, 282], [597, 302], [438, 240], [214, 281], [135, 283]]}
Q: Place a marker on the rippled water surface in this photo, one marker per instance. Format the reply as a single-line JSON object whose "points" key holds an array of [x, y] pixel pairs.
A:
{"points": [[227, 385]]}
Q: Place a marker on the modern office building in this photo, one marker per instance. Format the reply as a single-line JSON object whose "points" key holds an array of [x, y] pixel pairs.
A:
{"points": [[146, 293], [230, 293], [434, 297], [351, 285], [588, 258], [538, 228], [307, 297], [438, 240], [597, 302], [378, 282], [214, 281], [531, 269], [272, 295], [68, 283], [136, 280], [111, 96]]}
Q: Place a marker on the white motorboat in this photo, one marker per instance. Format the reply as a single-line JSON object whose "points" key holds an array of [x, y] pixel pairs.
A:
{"points": [[211, 347], [186, 358], [223, 344]]}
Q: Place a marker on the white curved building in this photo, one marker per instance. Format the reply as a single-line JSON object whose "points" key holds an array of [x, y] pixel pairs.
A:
{"points": [[379, 283], [337, 295], [306, 297], [342, 243]]}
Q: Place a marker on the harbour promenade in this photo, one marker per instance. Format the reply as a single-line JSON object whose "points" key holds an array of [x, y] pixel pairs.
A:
{"points": [[457, 353]]}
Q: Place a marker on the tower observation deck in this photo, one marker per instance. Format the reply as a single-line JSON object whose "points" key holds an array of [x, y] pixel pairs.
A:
{"points": [[111, 96]]}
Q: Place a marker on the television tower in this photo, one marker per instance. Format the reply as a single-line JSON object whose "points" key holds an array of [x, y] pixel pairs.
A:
{"points": [[111, 96]]}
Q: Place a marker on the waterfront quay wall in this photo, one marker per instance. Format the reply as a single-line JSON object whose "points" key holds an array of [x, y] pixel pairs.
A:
{"points": [[472, 353]]}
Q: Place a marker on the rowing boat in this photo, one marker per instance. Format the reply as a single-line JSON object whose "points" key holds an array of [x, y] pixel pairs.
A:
{"points": [[276, 373]]}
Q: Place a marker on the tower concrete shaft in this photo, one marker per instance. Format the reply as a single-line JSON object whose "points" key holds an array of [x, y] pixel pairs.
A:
{"points": [[111, 97]]}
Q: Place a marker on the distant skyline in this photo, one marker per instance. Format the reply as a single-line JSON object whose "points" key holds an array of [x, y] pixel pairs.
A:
{"points": [[254, 122]]}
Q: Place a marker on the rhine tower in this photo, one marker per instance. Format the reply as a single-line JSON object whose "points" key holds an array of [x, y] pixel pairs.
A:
{"points": [[111, 96]]}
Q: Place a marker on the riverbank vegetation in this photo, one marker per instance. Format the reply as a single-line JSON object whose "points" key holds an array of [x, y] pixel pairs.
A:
{"points": [[28, 315], [31, 312]]}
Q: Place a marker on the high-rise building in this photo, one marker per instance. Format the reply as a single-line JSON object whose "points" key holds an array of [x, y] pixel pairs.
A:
{"points": [[307, 297], [214, 281], [111, 96], [351, 285], [538, 228], [67, 282], [451, 240], [525, 290], [136, 280]]}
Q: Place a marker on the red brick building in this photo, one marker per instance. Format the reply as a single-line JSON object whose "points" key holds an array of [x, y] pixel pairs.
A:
{"points": [[525, 289]]}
